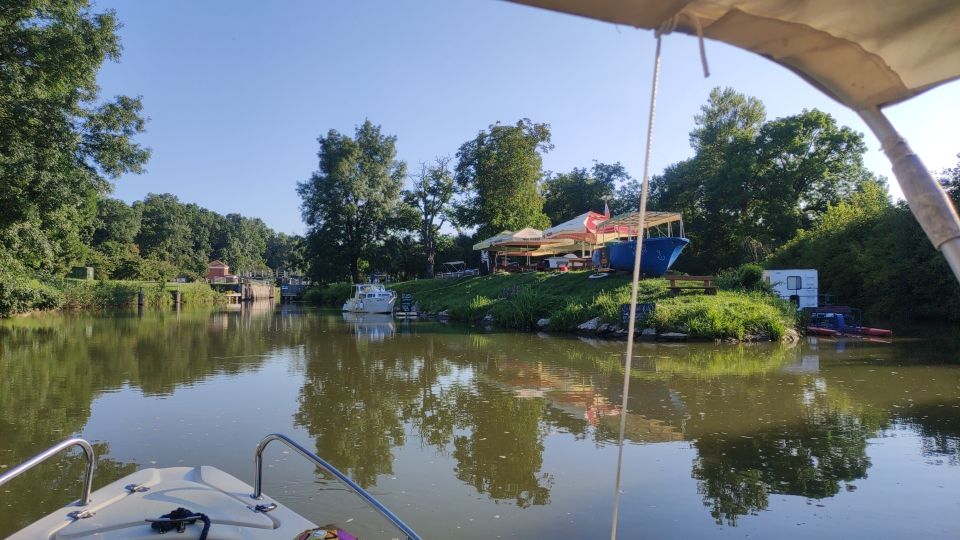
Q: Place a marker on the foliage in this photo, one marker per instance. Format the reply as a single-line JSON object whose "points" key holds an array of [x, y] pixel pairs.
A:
{"points": [[499, 172], [352, 201], [432, 191], [579, 191], [748, 277], [752, 184], [950, 180], [872, 254], [60, 144]]}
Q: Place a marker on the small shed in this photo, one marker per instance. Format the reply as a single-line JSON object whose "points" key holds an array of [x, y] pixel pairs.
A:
{"points": [[217, 269]]}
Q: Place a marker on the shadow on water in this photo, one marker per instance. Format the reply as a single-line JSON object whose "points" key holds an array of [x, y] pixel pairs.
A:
{"points": [[760, 420]]}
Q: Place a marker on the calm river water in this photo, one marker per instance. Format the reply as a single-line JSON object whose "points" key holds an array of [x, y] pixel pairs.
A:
{"points": [[496, 435]]}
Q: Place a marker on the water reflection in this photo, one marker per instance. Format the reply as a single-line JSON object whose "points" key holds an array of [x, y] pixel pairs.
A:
{"points": [[760, 420]]}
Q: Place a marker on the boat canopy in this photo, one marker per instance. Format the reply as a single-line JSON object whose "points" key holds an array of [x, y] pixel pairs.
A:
{"points": [[863, 53]]}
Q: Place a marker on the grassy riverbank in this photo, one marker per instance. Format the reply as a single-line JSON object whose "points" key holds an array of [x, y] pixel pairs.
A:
{"points": [[518, 301]]}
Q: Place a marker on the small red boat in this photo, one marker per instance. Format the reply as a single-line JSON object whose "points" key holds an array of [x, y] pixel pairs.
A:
{"points": [[835, 321], [816, 330]]}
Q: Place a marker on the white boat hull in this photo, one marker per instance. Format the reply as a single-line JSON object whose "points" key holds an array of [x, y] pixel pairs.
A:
{"points": [[119, 513], [369, 305]]}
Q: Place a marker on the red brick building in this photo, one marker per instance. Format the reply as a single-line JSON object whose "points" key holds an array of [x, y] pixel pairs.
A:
{"points": [[217, 269]]}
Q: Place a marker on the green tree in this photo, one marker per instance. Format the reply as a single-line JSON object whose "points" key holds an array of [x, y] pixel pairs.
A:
{"points": [[433, 189], [500, 172], [59, 143], [116, 221], [751, 184], [165, 235], [351, 201], [571, 194], [285, 252]]}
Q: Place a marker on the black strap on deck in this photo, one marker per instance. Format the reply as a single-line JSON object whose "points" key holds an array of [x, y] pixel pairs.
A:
{"points": [[179, 519]]}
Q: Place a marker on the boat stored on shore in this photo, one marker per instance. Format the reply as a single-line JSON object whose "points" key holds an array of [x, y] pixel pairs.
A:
{"points": [[661, 246], [370, 298]]}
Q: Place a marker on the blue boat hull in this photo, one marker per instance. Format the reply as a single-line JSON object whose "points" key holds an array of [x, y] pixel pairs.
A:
{"points": [[659, 254]]}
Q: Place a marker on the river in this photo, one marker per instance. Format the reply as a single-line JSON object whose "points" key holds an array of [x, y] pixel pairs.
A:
{"points": [[472, 434]]}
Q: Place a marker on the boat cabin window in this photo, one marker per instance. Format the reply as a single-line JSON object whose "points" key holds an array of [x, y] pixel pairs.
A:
{"points": [[793, 283]]}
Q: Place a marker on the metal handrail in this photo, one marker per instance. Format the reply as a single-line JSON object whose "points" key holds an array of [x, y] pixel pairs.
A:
{"points": [[52, 451], [318, 461]]}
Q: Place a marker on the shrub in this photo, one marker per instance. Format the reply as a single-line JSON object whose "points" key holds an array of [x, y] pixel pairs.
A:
{"points": [[524, 309]]}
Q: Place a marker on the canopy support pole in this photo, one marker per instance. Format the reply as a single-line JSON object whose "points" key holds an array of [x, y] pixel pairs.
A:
{"points": [[927, 200]]}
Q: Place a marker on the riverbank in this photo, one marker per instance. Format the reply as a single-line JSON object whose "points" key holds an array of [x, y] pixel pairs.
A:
{"points": [[571, 302], [24, 295]]}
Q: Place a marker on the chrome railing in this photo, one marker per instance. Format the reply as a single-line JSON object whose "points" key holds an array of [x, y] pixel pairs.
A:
{"points": [[319, 462], [50, 452]]}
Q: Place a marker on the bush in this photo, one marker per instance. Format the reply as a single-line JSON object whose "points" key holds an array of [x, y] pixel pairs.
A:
{"points": [[748, 277], [20, 294], [333, 294], [524, 309]]}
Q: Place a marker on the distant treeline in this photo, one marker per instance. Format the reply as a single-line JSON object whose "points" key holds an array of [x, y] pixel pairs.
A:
{"points": [[160, 237]]}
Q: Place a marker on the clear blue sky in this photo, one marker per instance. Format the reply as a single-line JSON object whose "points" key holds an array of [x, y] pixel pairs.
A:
{"points": [[237, 92]]}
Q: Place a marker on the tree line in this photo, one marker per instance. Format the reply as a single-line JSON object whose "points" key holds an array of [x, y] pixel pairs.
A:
{"points": [[161, 237], [750, 186]]}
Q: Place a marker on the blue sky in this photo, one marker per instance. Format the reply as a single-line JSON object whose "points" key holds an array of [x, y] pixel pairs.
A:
{"points": [[237, 92]]}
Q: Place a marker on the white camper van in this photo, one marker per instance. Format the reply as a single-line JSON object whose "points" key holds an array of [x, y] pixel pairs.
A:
{"points": [[798, 286]]}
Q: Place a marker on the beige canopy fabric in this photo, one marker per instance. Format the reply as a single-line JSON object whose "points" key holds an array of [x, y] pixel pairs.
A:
{"points": [[863, 53], [499, 237]]}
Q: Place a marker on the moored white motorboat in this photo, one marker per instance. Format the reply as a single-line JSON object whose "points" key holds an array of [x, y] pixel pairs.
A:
{"points": [[203, 501], [370, 298]]}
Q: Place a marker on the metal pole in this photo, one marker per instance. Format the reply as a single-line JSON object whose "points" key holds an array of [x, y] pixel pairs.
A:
{"points": [[320, 462], [52, 451], [927, 200]]}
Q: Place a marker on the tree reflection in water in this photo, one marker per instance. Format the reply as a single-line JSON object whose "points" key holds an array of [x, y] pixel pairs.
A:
{"points": [[737, 473]]}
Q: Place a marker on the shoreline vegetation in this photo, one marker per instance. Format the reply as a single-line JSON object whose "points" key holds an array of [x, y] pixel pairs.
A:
{"points": [[24, 296], [570, 302]]}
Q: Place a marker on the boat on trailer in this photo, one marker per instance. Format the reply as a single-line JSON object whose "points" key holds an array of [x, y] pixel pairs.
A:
{"points": [[202, 501]]}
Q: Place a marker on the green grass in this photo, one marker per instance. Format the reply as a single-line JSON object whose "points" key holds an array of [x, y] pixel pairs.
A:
{"points": [[517, 301]]}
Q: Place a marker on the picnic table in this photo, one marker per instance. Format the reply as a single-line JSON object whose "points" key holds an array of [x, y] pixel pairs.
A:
{"points": [[706, 284]]}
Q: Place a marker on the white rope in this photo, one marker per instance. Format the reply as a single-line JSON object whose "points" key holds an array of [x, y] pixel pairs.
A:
{"points": [[631, 326]]}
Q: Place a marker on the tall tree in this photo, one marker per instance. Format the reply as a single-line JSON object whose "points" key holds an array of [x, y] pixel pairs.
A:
{"points": [[433, 189], [568, 195], [752, 184], [59, 143], [165, 233], [116, 222], [351, 201], [500, 172]]}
